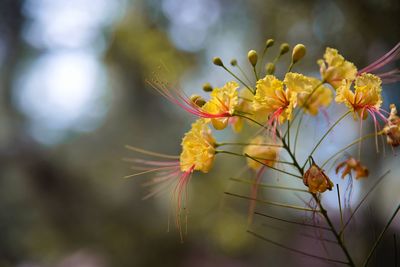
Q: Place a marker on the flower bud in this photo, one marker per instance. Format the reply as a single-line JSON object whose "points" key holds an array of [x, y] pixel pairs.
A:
{"points": [[253, 57], [269, 43], [284, 48], [197, 100], [207, 87], [299, 51], [316, 180], [233, 62], [270, 67], [218, 62]]}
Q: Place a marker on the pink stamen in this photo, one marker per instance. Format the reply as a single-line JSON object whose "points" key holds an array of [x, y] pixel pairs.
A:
{"points": [[387, 77], [385, 59], [179, 99], [254, 193], [181, 188]]}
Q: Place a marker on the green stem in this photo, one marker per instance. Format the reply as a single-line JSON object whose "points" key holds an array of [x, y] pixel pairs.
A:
{"points": [[255, 73], [326, 134], [315, 197], [243, 73], [297, 132], [380, 236], [347, 147], [269, 186], [246, 144], [335, 233], [237, 78], [272, 203], [288, 133]]}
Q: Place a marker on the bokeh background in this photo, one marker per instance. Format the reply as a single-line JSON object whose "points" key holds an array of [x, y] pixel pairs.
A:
{"points": [[73, 93]]}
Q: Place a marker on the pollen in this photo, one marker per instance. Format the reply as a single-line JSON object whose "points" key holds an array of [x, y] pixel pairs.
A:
{"points": [[198, 148]]}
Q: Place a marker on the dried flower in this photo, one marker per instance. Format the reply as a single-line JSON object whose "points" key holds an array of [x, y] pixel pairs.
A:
{"points": [[392, 128], [316, 180], [351, 164]]}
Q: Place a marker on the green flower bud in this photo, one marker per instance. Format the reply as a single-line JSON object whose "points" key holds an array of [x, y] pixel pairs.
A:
{"points": [[233, 62], [270, 67], [253, 57], [269, 43], [197, 100], [298, 53], [284, 48], [218, 62], [207, 87]]}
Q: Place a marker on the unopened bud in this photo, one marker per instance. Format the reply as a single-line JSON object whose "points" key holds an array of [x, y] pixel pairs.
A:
{"points": [[197, 100], [253, 57], [299, 51], [207, 87], [284, 48], [233, 62], [218, 62], [270, 68], [269, 43]]}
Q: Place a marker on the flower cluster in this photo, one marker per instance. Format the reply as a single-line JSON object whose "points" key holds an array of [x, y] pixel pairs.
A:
{"points": [[273, 102]]}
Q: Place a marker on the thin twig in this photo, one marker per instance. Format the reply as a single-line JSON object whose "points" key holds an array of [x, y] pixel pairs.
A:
{"points": [[292, 222], [295, 250], [381, 236], [272, 203], [362, 200]]}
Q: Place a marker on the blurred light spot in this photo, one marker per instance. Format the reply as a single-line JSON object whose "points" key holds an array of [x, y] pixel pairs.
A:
{"points": [[72, 23], [329, 20], [190, 21], [61, 91]]}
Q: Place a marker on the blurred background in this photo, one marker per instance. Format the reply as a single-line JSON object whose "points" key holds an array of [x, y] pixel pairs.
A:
{"points": [[73, 94]]}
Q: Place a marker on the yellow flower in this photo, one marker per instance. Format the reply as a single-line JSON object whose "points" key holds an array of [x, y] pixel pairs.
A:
{"points": [[311, 95], [273, 100], [244, 106], [366, 96], [262, 152], [198, 148], [316, 180], [334, 68], [222, 104]]}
